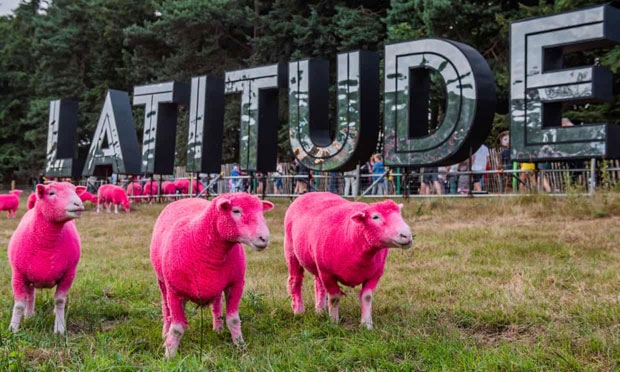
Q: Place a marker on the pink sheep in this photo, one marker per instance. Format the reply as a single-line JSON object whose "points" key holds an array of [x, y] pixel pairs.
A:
{"points": [[339, 241], [168, 188], [45, 249], [183, 186], [151, 189], [104, 197], [196, 255], [119, 197], [134, 189], [10, 202], [112, 195]]}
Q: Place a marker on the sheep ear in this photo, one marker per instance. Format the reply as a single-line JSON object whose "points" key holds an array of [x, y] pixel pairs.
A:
{"points": [[223, 204], [80, 189], [358, 217], [267, 205], [40, 191], [400, 206]]}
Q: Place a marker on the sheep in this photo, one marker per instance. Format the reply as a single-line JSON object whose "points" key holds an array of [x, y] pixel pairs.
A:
{"points": [[104, 197], [339, 241], [151, 189], [10, 202], [135, 189], [196, 255], [168, 188], [112, 194], [119, 197], [86, 196], [183, 186], [45, 249]]}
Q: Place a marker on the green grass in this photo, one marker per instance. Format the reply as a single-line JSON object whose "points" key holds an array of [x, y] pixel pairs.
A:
{"points": [[528, 283]]}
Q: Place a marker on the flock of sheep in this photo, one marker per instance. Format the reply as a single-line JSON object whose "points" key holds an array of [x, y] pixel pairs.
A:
{"points": [[197, 255]]}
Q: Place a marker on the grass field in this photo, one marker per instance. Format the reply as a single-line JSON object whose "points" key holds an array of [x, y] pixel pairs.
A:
{"points": [[527, 283]]}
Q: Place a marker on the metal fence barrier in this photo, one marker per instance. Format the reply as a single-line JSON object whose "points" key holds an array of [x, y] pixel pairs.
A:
{"points": [[394, 183]]}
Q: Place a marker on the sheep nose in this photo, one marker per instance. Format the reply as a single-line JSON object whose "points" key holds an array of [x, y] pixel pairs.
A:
{"points": [[264, 239]]}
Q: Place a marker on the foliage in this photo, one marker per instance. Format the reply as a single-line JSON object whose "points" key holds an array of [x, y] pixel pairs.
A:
{"points": [[79, 48]]}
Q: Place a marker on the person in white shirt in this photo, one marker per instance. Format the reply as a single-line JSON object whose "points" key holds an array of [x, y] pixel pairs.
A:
{"points": [[479, 164]]}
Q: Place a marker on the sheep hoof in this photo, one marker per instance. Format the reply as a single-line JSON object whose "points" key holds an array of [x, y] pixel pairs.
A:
{"points": [[367, 324], [14, 328]]}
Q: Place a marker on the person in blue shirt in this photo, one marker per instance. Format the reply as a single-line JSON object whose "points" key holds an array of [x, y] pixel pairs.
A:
{"points": [[234, 183], [377, 170]]}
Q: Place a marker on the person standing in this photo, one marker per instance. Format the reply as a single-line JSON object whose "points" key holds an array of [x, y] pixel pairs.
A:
{"points": [[377, 170], [234, 182], [277, 179], [351, 183], [479, 164]]}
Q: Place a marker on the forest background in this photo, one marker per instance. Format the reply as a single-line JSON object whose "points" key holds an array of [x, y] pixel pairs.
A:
{"points": [[78, 49]]}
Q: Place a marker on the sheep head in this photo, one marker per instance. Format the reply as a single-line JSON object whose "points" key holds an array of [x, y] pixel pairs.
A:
{"points": [[241, 219], [59, 201], [383, 225]]}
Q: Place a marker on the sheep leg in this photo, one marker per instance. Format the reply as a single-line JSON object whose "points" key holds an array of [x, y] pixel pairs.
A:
{"points": [[333, 296], [233, 297], [319, 295], [59, 312], [216, 311], [108, 207], [368, 287], [20, 296], [178, 324], [165, 311], [60, 299], [29, 302], [295, 279], [115, 208]]}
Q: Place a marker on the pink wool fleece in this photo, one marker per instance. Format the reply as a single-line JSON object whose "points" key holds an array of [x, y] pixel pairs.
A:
{"points": [[168, 188], [109, 195], [183, 186], [134, 189], [339, 241], [45, 249], [197, 256], [119, 198], [86, 196], [10, 202], [151, 189]]}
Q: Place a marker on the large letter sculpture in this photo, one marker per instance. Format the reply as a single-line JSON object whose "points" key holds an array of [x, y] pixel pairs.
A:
{"points": [[259, 114], [470, 103], [206, 125], [539, 85], [61, 160], [160, 123], [116, 128], [358, 111]]}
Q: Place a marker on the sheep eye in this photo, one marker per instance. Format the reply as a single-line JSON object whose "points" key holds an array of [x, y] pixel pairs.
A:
{"points": [[52, 193], [236, 211], [376, 217]]}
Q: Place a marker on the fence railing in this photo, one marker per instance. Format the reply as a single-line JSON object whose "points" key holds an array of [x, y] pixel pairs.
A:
{"points": [[553, 179], [395, 183]]}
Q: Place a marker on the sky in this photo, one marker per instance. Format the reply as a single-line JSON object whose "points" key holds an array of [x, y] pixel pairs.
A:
{"points": [[6, 6]]}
